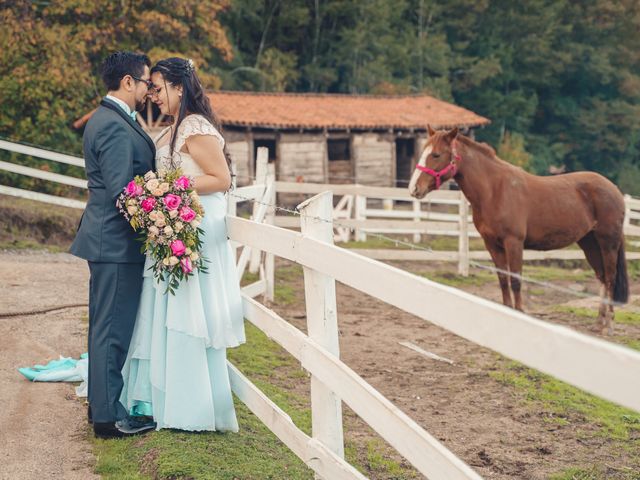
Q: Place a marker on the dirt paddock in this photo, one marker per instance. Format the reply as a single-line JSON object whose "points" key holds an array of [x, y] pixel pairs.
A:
{"points": [[490, 423]]}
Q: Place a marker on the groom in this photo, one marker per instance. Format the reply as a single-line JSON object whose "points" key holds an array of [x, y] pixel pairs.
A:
{"points": [[115, 150]]}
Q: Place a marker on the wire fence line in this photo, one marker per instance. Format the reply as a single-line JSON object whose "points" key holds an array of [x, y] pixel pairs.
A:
{"points": [[429, 250]]}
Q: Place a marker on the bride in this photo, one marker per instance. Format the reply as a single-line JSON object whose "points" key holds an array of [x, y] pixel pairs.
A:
{"points": [[176, 368]]}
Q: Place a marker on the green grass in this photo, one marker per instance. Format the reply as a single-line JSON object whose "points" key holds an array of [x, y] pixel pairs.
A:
{"points": [[589, 473], [254, 452], [596, 472], [284, 292], [435, 243], [545, 273], [621, 316], [453, 279], [633, 268], [562, 401], [249, 278], [31, 245], [628, 341]]}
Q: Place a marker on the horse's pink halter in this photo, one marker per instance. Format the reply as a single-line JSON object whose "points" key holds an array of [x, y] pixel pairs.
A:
{"points": [[441, 173]]}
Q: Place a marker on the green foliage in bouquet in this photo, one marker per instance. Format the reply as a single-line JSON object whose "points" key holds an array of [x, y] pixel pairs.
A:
{"points": [[165, 209]]}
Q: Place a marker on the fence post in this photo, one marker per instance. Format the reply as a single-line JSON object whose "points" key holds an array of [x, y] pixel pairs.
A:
{"points": [[627, 210], [463, 239], [232, 205], [261, 176], [417, 210], [360, 214], [270, 218], [322, 323]]}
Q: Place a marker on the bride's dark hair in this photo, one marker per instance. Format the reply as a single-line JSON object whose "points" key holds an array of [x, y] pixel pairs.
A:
{"points": [[178, 71]]}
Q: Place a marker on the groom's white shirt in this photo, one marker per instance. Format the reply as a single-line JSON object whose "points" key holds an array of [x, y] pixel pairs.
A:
{"points": [[122, 104]]}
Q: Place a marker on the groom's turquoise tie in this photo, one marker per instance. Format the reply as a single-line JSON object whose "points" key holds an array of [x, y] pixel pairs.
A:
{"points": [[133, 115]]}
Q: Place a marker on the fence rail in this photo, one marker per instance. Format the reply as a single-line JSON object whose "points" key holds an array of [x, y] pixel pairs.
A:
{"points": [[352, 214], [594, 365], [599, 367]]}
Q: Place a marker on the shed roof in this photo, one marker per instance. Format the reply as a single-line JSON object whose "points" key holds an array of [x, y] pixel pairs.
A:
{"points": [[335, 111]]}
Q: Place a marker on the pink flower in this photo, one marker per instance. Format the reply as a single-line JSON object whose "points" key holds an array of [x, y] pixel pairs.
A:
{"points": [[148, 203], [132, 189], [185, 263], [182, 183], [171, 201], [178, 248], [186, 214]]}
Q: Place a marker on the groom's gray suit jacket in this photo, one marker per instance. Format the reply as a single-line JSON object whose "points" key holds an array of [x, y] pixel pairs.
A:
{"points": [[115, 150]]}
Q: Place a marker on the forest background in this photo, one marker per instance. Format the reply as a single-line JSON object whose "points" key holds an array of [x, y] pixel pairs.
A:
{"points": [[559, 79]]}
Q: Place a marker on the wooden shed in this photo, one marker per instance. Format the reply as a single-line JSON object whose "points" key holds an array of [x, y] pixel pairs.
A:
{"points": [[331, 138]]}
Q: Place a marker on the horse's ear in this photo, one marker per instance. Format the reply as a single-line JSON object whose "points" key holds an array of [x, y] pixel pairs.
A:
{"points": [[451, 136], [431, 131]]}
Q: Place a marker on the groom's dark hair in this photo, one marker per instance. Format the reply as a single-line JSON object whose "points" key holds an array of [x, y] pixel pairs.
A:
{"points": [[119, 64]]}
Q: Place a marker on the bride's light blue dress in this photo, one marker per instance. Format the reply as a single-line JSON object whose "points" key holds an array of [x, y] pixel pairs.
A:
{"points": [[176, 368]]}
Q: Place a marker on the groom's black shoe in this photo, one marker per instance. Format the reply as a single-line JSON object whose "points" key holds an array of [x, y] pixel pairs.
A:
{"points": [[127, 427]]}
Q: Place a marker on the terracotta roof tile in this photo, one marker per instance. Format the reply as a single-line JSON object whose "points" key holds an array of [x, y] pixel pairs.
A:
{"points": [[332, 111]]}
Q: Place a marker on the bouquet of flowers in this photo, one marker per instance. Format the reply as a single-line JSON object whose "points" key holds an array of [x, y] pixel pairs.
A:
{"points": [[165, 208]]}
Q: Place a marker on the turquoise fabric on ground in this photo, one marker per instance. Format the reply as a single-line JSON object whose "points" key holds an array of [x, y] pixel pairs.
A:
{"points": [[64, 369], [176, 367]]}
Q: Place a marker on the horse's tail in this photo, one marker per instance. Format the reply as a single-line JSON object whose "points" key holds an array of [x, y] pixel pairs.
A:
{"points": [[621, 284]]}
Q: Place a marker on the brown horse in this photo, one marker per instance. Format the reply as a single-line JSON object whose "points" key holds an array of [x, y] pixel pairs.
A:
{"points": [[514, 210]]}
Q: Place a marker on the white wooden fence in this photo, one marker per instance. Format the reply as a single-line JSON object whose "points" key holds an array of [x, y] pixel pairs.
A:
{"points": [[602, 368], [356, 215]]}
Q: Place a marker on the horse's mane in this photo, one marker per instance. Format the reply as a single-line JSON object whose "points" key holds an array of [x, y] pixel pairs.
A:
{"points": [[483, 147]]}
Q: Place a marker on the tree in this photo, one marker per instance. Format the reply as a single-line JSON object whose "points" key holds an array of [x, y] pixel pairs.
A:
{"points": [[50, 54]]}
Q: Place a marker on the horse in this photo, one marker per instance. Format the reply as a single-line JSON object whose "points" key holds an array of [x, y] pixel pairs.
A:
{"points": [[514, 210]]}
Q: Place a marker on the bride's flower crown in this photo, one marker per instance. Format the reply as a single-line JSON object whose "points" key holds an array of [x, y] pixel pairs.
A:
{"points": [[190, 66]]}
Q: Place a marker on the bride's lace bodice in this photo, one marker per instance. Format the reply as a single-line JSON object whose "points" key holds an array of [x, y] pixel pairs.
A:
{"points": [[191, 125]]}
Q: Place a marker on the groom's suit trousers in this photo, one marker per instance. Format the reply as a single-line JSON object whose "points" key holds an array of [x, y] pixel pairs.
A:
{"points": [[114, 296]]}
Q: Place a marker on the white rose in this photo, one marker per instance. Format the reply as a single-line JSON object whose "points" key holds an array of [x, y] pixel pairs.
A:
{"points": [[160, 222], [154, 230], [152, 185], [173, 261], [165, 262], [164, 187], [173, 213], [168, 230], [178, 226], [157, 192], [153, 216], [132, 210], [194, 256], [187, 251], [149, 175], [195, 224]]}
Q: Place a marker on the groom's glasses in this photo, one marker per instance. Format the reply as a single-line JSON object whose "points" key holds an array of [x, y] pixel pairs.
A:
{"points": [[148, 82]]}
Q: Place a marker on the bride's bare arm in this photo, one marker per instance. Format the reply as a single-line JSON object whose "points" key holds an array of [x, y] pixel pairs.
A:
{"points": [[206, 151]]}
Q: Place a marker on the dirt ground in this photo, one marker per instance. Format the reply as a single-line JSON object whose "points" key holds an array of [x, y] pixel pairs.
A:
{"points": [[42, 425], [481, 420], [44, 431]]}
